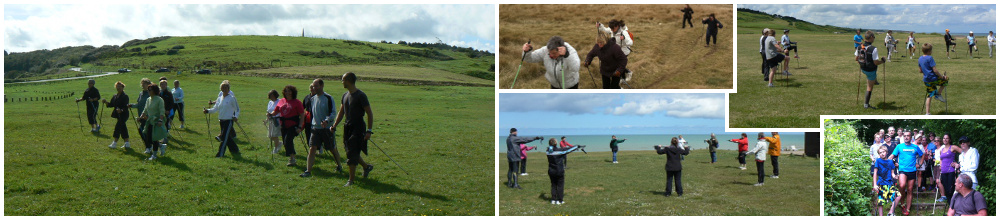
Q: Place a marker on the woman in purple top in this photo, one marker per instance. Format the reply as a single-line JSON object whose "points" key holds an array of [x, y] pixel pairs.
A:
{"points": [[945, 156]]}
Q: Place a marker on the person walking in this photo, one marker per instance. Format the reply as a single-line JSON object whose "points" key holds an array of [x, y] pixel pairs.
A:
{"points": [[354, 107], [324, 109], [91, 96], [688, 12], [155, 116], [713, 28], [178, 101], [120, 104], [287, 114], [228, 110], [140, 106], [673, 165], [271, 121], [908, 155]]}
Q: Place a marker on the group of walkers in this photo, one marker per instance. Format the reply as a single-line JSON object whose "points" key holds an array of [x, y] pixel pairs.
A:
{"points": [[867, 57], [904, 161], [675, 152], [612, 47], [773, 53], [970, 40], [316, 115]]}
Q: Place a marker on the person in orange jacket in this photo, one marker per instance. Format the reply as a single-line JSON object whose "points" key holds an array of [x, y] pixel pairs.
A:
{"points": [[774, 149]]}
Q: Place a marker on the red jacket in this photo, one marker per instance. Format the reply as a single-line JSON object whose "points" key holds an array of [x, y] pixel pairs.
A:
{"points": [[564, 144], [742, 142]]}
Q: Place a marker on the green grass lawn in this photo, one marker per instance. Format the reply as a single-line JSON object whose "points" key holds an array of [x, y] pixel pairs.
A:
{"points": [[392, 73], [438, 133], [635, 186], [826, 75]]}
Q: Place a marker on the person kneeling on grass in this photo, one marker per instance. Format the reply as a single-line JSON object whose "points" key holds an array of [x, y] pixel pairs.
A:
{"points": [[882, 181], [673, 166], [932, 77], [562, 64], [557, 168], [761, 155], [867, 57]]}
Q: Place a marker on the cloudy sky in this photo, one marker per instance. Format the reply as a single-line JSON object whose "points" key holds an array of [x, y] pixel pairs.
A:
{"points": [[919, 18], [583, 114], [34, 27]]}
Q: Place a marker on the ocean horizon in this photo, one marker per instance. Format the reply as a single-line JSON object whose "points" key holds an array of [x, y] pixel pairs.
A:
{"points": [[599, 143]]}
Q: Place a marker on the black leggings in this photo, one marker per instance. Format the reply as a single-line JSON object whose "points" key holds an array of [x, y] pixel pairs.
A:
{"points": [[91, 112], [148, 136], [948, 182], [180, 111], [524, 163], [764, 69], [558, 181], [742, 158], [774, 163], [791, 48], [688, 20], [674, 177], [610, 82], [288, 136], [712, 36], [120, 129], [511, 173], [760, 172]]}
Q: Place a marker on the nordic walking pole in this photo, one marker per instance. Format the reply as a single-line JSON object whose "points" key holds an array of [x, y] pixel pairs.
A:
{"points": [[592, 77], [563, 70], [390, 158], [934, 207], [885, 78], [78, 118], [135, 121], [519, 65], [945, 94], [857, 98], [100, 120], [208, 130], [240, 126]]}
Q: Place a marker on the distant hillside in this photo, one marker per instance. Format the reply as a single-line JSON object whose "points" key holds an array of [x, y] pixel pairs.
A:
{"points": [[237, 53], [749, 18]]}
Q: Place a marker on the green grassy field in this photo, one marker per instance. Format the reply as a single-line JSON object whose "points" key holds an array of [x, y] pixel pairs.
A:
{"points": [[390, 73], [826, 75], [635, 186], [438, 133]]}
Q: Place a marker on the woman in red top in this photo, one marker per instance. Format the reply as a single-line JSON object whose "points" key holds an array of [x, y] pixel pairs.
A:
{"points": [[291, 111], [742, 143]]}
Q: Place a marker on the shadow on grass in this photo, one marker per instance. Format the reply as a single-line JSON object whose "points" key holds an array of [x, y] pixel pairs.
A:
{"points": [[888, 106], [100, 135], [171, 162], [242, 159], [742, 183], [379, 187]]}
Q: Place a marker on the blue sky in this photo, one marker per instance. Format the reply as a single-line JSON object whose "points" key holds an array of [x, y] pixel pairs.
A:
{"points": [[35, 27], [630, 113], [920, 18]]}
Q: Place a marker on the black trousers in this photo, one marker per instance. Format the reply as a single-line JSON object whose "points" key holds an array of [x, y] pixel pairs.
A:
{"points": [[948, 182], [229, 133], [774, 163], [288, 136], [712, 36], [610, 82], [763, 65], [148, 137], [577, 86], [524, 163], [511, 173], [742, 158], [674, 177], [91, 112], [791, 48], [180, 110], [558, 181], [120, 129], [688, 20], [760, 171]]}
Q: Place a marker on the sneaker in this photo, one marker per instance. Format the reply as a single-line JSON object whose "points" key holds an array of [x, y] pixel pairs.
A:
{"points": [[867, 106], [891, 214], [306, 174], [766, 79], [796, 56], [552, 201], [112, 146], [291, 162], [163, 149], [942, 199], [628, 76], [148, 150], [275, 151], [152, 157], [877, 83], [524, 174], [770, 85], [127, 145], [559, 202], [775, 176], [349, 183], [98, 128], [743, 168], [940, 98], [367, 170], [787, 73], [758, 184], [182, 126], [615, 162]]}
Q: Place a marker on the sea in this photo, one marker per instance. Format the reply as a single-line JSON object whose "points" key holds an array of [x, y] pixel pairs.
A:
{"points": [[596, 143]]}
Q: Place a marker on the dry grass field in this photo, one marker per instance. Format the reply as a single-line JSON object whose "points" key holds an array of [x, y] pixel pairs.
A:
{"points": [[664, 55]]}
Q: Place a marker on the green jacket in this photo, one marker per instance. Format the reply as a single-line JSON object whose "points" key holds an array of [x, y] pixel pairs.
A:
{"points": [[154, 109]]}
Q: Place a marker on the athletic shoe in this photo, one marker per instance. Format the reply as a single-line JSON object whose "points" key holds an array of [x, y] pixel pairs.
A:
{"points": [[787, 73], [775, 176], [148, 150], [349, 183], [524, 174], [940, 98], [758, 184], [127, 145], [306, 174], [766, 78], [182, 126], [877, 83], [614, 162], [367, 170], [163, 149], [152, 157], [291, 162], [628, 76], [112, 146], [743, 168], [275, 151], [340, 169], [98, 128], [796, 56], [867, 106], [517, 187], [770, 85], [942, 199], [560, 202]]}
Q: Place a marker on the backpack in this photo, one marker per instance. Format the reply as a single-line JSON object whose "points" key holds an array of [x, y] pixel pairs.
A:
{"points": [[630, 35], [864, 57]]}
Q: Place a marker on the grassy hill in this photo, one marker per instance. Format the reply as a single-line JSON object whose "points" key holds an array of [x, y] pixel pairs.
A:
{"points": [[55, 167], [233, 54], [754, 21]]}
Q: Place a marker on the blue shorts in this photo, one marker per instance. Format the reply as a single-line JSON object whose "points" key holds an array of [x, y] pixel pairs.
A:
{"points": [[871, 75]]}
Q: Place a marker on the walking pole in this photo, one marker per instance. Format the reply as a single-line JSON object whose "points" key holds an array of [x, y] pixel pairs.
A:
{"points": [[885, 78], [135, 121], [78, 118], [945, 94], [563, 70], [857, 98], [208, 130], [240, 126], [100, 120], [592, 77], [390, 158], [934, 207], [519, 65]]}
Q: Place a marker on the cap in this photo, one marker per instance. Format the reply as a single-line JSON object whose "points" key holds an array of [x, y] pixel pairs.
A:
{"points": [[970, 32], [512, 130], [786, 30], [91, 81], [963, 139]]}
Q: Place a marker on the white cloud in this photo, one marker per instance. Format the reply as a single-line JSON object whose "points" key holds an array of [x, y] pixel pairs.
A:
{"points": [[920, 18], [675, 105], [33, 27]]}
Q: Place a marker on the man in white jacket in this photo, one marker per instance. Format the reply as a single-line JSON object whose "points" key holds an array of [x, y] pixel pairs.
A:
{"points": [[968, 161], [562, 64]]}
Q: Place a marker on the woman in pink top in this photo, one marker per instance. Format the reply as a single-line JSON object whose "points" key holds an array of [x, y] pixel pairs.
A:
{"points": [[291, 110], [524, 157]]}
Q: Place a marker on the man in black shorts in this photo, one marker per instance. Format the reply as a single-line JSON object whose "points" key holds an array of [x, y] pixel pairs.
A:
{"points": [[322, 110], [354, 104]]}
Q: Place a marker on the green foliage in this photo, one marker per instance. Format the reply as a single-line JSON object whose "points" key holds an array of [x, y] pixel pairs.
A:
{"points": [[845, 178], [136, 42]]}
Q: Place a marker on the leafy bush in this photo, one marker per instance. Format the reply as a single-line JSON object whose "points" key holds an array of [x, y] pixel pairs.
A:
{"points": [[135, 42], [845, 178], [172, 52], [178, 47]]}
